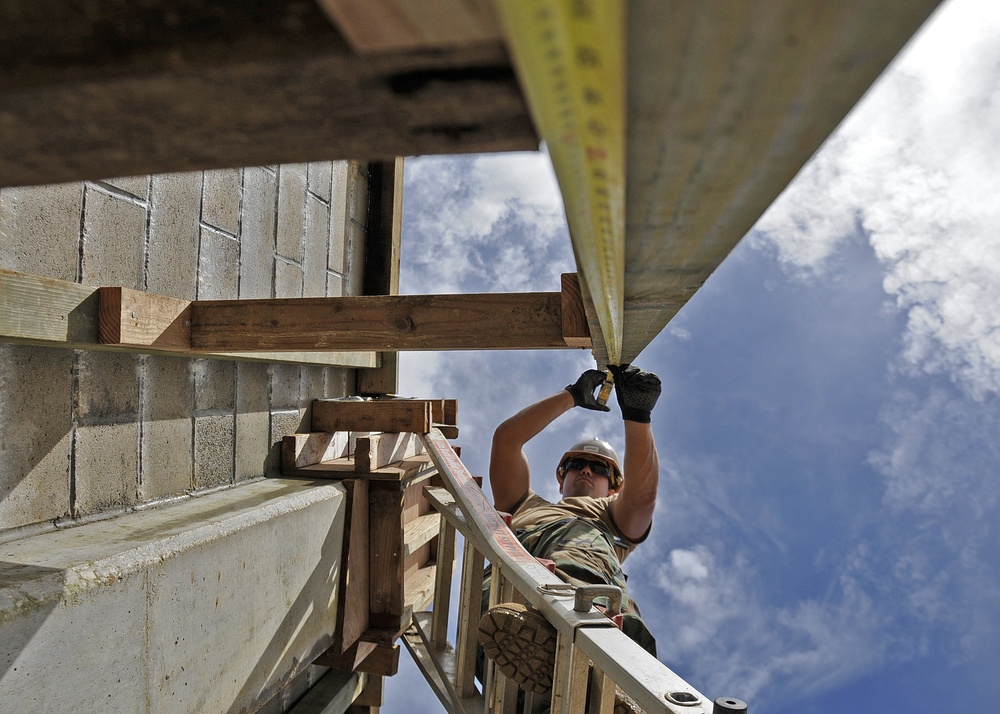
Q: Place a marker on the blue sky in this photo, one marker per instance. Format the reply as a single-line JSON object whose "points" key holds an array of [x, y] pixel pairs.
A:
{"points": [[827, 537]]}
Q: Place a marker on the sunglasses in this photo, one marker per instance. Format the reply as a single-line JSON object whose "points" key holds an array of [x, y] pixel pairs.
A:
{"points": [[598, 468]]}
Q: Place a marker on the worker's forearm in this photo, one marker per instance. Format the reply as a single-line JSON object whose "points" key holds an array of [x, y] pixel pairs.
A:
{"points": [[519, 429], [642, 463]]}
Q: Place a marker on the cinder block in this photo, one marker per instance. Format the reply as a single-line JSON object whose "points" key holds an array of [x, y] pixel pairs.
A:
{"points": [[209, 605], [106, 467], [285, 382], [316, 247], [214, 385], [221, 195], [108, 386], [167, 442], [291, 210], [283, 423], [213, 450], [257, 233], [218, 266], [336, 381], [287, 279], [334, 285], [35, 418], [172, 266], [114, 239], [40, 230], [137, 186], [252, 420], [320, 175], [339, 215]]}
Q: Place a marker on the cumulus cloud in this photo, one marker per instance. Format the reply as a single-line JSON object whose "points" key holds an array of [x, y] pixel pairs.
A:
{"points": [[486, 223], [914, 168]]}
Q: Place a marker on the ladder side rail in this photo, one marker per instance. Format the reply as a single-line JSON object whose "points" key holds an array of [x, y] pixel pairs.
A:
{"points": [[628, 665], [444, 569]]}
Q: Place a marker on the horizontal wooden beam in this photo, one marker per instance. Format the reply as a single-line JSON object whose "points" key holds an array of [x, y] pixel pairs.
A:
{"points": [[92, 91], [44, 311], [392, 415], [485, 321]]}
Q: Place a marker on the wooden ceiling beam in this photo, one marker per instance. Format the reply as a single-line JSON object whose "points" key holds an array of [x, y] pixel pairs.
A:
{"points": [[484, 321]]}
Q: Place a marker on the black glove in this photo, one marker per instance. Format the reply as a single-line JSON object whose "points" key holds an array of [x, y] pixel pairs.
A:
{"points": [[637, 392], [583, 390]]}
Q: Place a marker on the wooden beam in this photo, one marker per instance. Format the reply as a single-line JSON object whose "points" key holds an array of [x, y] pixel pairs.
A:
{"points": [[352, 614], [374, 451], [488, 321], [392, 415], [56, 313], [121, 89], [726, 103], [576, 331], [298, 450], [383, 25]]}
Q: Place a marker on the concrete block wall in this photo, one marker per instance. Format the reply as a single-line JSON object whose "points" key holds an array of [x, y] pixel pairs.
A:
{"points": [[87, 433]]}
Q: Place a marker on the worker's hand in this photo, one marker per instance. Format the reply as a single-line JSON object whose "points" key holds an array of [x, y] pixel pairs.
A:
{"points": [[583, 390], [637, 392]]}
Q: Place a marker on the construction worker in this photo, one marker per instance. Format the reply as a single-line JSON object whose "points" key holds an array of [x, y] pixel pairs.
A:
{"points": [[604, 513]]}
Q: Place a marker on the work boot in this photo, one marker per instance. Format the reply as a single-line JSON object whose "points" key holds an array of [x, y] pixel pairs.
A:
{"points": [[522, 643]]}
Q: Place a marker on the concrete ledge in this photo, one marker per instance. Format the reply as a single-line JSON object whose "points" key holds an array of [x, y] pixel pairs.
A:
{"points": [[207, 605]]}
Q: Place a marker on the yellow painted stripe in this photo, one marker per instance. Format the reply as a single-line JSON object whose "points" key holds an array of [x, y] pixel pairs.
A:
{"points": [[570, 59]]}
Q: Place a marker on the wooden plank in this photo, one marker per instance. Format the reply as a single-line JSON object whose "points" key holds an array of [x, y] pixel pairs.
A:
{"points": [[418, 589], [438, 666], [383, 661], [56, 313], [444, 561], [726, 102], [372, 26], [576, 331], [450, 412], [352, 615], [419, 532], [133, 318], [385, 555], [299, 450], [483, 321], [258, 84], [363, 656], [469, 615], [374, 451], [403, 471], [383, 236], [391, 415], [372, 694], [349, 659], [447, 430]]}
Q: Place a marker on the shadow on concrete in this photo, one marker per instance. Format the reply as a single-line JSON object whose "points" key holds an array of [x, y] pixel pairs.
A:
{"points": [[32, 592], [291, 635]]}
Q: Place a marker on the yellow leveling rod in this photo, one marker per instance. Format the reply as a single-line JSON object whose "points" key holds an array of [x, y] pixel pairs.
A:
{"points": [[570, 59]]}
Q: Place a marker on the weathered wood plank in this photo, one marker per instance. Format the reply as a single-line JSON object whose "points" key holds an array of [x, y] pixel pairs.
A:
{"points": [[419, 532], [373, 451], [334, 692], [133, 318], [726, 102], [385, 553], [56, 313], [228, 84], [486, 321], [299, 450], [383, 25], [576, 331], [352, 616], [418, 588], [391, 415]]}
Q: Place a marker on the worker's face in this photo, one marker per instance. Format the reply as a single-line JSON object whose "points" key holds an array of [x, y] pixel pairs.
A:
{"points": [[581, 479]]}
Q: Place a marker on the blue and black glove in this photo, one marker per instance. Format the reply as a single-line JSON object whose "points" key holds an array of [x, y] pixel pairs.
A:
{"points": [[637, 392], [583, 390]]}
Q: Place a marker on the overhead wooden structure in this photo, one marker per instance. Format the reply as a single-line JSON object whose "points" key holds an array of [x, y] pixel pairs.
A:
{"points": [[725, 103]]}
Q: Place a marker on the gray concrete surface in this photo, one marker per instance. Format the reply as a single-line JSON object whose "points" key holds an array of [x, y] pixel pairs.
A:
{"points": [[122, 587]]}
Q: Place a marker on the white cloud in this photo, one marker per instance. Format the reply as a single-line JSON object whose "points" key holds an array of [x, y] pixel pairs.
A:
{"points": [[915, 166]]}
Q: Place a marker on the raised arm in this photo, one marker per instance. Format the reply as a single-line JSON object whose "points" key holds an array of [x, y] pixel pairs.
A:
{"points": [[637, 393], [509, 472]]}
